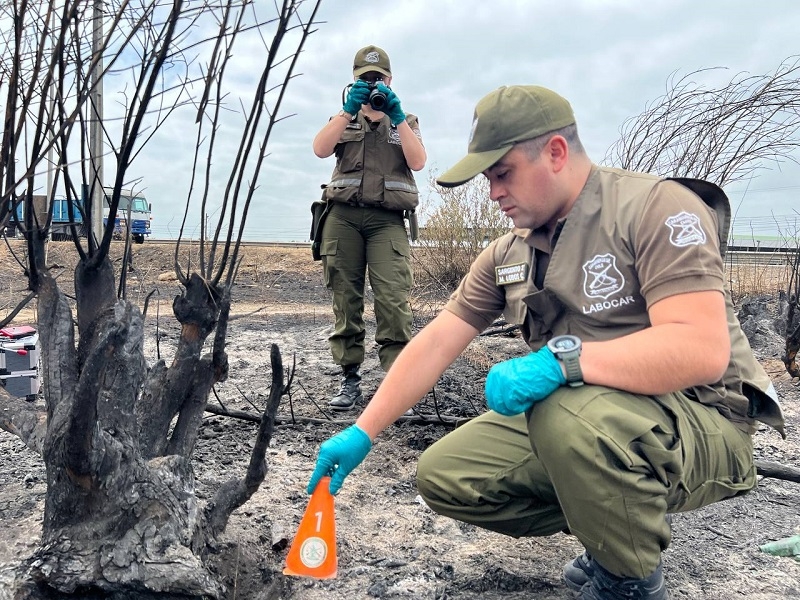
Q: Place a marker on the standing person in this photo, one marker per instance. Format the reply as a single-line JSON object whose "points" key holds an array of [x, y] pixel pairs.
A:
{"points": [[640, 393], [377, 147]]}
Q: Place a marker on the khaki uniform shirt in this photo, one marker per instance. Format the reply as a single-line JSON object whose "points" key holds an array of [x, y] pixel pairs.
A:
{"points": [[630, 240]]}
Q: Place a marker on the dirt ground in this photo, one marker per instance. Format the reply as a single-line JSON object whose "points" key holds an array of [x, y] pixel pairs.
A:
{"points": [[390, 545]]}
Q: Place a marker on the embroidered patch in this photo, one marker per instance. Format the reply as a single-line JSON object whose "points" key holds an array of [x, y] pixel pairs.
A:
{"points": [[394, 137], [601, 277], [372, 57], [505, 274], [472, 131], [685, 230]]}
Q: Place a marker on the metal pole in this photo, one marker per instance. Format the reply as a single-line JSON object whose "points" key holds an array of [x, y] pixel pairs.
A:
{"points": [[96, 123]]}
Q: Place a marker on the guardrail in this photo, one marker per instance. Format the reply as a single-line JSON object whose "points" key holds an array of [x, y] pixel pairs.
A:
{"points": [[763, 257]]}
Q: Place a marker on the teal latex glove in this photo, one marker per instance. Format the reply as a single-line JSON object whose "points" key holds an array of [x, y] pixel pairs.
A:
{"points": [[514, 385], [339, 455], [356, 96], [392, 109]]}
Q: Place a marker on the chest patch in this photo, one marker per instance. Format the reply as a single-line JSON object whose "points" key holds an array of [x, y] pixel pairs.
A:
{"points": [[505, 274], [685, 230], [394, 136], [601, 277]]}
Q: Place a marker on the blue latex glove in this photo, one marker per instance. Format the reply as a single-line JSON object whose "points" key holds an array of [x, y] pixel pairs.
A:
{"points": [[356, 96], [339, 455], [392, 109], [514, 385]]}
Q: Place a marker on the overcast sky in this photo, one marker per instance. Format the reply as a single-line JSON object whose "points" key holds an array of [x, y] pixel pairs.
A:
{"points": [[609, 58]]}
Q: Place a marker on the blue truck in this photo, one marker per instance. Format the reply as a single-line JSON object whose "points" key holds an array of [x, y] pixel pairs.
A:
{"points": [[131, 206]]}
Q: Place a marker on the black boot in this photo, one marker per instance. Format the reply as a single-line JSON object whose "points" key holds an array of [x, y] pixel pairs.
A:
{"points": [[350, 390], [603, 585]]}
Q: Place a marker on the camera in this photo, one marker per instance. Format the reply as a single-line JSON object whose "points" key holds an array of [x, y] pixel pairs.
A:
{"points": [[377, 98]]}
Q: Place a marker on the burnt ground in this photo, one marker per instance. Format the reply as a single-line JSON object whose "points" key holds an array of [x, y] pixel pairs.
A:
{"points": [[390, 545]]}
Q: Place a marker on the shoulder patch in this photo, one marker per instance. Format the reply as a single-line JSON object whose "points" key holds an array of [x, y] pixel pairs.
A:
{"points": [[685, 230], [516, 273]]}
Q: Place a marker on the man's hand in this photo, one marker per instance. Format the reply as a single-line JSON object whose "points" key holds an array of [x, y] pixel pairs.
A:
{"points": [[514, 385], [339, 455], [356, 96], [392, 107]]}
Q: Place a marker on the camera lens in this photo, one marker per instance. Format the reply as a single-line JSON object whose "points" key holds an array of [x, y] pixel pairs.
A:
{"points": [[377, 99]]}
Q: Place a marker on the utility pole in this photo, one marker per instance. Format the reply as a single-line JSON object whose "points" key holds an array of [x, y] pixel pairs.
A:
{"points": [[96, 124]]}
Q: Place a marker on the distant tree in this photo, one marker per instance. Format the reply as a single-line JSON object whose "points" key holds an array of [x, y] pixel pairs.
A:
{"points": [[121, 517], [722, 135], [457, 223]]}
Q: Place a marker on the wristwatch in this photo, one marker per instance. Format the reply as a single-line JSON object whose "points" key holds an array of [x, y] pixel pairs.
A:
{"points": [[567, 349], [345, 114]]}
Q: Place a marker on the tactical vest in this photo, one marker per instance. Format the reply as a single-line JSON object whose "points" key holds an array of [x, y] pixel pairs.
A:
{"points": [[591, 288], [371, 169]]}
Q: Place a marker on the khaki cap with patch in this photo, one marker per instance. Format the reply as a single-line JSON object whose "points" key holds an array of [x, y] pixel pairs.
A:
{"points": [[506, 116], [369, 59]]}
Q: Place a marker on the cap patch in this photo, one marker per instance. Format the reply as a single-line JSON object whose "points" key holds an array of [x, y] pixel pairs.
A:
{"points": [[472, 131]]}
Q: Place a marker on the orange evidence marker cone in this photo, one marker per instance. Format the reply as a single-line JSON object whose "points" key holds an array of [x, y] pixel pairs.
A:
{"points": [[313, 550]]}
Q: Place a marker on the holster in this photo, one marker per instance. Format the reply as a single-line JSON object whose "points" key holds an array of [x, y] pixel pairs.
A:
{"points": [[413, 226], [319, 212]]}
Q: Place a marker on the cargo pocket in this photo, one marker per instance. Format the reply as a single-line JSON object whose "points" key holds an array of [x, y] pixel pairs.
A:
{"points": [[328, 250], [402, 264], [718, 457]]}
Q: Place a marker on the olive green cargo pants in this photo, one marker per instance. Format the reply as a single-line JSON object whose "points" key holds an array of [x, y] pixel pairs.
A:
{"points": [[356, 240], [605, 464]]}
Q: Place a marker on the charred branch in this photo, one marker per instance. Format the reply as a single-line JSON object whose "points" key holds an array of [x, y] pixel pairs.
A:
{"points": [[775, 470], [184, 435], [24, 420], [17, 309], [235, 492], [210, 370], [185, 385], [57, 339], [94, 294]]}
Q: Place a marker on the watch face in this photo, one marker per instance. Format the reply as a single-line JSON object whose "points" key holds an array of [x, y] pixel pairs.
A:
{"points": [[565, 342]]}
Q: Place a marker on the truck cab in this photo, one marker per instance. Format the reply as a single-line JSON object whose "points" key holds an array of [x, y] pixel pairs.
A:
{"points": [[131, 206]]}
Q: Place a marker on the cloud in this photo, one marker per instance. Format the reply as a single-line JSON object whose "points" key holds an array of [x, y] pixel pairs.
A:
{"points": [[609, 58]]}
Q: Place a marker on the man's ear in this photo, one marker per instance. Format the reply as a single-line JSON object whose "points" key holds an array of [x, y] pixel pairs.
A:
{"points": [[557, 152]]}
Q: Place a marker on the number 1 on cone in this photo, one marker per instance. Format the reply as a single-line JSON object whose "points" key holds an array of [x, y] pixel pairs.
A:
{"points": [[313, 550]]}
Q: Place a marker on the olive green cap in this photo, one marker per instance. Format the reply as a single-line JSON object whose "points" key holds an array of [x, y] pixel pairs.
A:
{"points": [[369, 59], [506, 116]]}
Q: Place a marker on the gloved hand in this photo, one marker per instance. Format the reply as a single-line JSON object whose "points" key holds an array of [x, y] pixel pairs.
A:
{"points": [[514, 385], [392, 108], [356, 96], [339, 455]]}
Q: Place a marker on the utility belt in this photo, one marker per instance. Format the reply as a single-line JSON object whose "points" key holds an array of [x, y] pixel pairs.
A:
{"points": [[360, 204], [321, 208], [409, 214]]}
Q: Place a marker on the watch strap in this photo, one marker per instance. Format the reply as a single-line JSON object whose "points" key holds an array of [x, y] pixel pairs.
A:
{"points": [[572, 365]]}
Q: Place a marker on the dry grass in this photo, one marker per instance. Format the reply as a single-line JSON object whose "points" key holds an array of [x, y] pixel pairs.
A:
{"points": [[748, 280], [264, 267]]}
